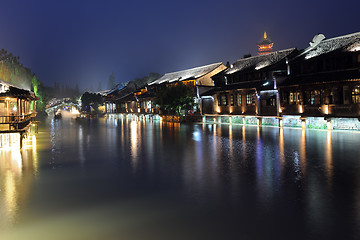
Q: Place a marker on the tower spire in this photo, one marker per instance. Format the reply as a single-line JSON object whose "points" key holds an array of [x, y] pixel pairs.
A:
{"points": [[265, 46]]}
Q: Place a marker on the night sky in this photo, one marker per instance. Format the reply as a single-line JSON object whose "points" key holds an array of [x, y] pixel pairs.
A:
{"points": [[85, 41]]}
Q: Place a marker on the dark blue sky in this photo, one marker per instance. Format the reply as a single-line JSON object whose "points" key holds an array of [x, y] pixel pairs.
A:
{"points": [[85, 41]]}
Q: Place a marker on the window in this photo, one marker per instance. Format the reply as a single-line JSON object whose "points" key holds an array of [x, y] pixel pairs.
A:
{"points": [[232, 100], [294, 97], [224, 100], [250, 99], [355, 94], [239, 99], [315, 97], [272, 101]]}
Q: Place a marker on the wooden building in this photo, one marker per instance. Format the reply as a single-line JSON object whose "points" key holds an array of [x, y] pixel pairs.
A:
{"points": [[249, 86], [198, 78], [17, 112], [324, 79]]}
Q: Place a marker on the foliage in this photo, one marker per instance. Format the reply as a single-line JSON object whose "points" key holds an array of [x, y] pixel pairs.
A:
{"points": [[175, 98], [91, 102], [13, 72]]}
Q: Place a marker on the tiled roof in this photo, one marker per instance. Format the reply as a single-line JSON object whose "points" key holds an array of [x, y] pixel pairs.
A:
{"points": [[13, 91], [259, 62], [192, 73], [350, 42]]}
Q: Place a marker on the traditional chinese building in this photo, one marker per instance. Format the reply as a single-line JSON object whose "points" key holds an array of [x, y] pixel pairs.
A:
{"points": [[249, 86], [265, 46], [17, 112], [197, 78], [324, 79]]}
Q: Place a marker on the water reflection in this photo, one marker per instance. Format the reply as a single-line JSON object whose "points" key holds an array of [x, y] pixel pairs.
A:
{"points": [[134, 131], [328, 156], [290, 183], [302, 151], [17, 174]]}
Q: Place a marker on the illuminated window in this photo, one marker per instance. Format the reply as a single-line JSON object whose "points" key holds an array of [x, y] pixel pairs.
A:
{"points": [[224, 100], [239, 99], [272, 101], [355, 94], [232, 100], [315, 97], [294, 97], [250, 99]]}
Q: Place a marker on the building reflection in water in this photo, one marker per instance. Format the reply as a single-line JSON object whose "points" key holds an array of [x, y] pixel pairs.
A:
{"points": [[18, 169]]}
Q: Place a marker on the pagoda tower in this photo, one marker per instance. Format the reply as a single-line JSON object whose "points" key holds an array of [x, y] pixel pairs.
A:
{"points": [[265, 46]]}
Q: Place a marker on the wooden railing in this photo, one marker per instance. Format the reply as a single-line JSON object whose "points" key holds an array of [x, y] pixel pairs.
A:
{"points": [[15, 122]]}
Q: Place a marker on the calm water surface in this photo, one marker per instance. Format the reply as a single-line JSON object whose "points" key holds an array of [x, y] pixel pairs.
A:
{"points": [[127, 179]]}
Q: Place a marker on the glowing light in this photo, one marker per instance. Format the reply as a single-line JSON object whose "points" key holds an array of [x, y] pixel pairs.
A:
{"points": [[355, 48], [303, 124], [326, 109], [328, 124], [262, 65], [74, 111], [301, 109]]}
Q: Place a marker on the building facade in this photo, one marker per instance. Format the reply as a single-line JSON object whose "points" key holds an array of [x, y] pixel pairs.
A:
{"points": [[17, 112]]}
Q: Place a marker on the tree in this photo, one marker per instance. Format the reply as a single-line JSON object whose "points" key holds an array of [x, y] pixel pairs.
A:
{"points": [[175, 98], [91, 101]]}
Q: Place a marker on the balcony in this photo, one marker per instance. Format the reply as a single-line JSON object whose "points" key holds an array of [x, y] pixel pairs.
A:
{"points": [[16, 123]]}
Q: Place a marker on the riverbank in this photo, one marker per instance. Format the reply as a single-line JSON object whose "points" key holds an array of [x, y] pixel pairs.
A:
{"points": [[284, 121]]}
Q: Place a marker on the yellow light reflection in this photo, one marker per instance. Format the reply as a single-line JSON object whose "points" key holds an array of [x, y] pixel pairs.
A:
{"points": [[15, 181], [231, 151], [281, 148], [328, 157], [303, 151], [244, 142]]}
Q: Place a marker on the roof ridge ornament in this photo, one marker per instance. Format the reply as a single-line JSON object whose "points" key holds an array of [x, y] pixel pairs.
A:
{"points": [[317, 39]]}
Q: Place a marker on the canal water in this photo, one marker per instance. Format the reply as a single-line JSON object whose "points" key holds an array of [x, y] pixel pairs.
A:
{"points": [[141, 179]]}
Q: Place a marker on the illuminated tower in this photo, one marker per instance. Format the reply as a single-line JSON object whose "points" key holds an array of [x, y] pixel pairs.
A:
{"points": [[265, 46]]}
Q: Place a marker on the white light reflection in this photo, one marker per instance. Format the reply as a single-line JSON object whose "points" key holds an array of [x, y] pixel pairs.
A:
{"points": [[134, 142], [197, 136]]}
